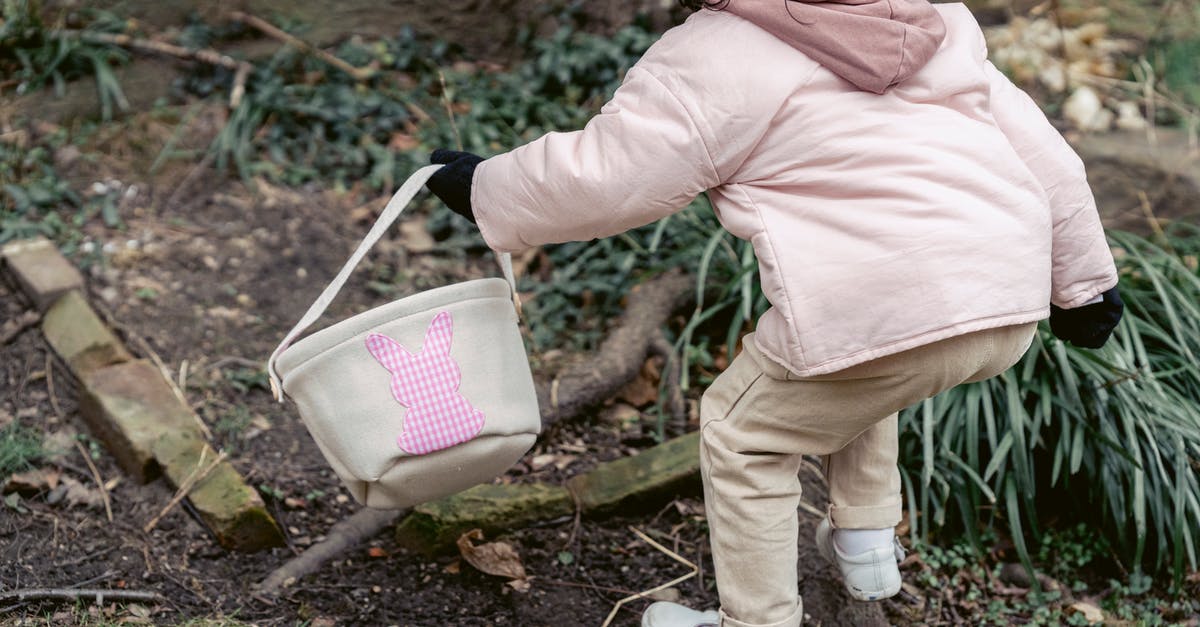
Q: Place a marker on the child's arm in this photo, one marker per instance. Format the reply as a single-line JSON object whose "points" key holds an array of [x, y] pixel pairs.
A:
{"points": [[1082, 264], [641, 159]]}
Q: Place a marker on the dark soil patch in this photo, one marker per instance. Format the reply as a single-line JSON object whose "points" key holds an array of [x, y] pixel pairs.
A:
{"points": [[214, 282]]}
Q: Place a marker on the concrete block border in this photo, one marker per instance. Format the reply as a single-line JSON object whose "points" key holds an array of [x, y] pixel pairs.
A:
{"points": [[130, 407]]}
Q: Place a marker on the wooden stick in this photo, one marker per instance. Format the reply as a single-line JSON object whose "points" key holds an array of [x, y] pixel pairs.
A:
{"points": [[450, 110], [207, 55], [346, 534], [78, 594], [16, 326], [271, 31], [99, 480], [239, 85], [186, 485], [50, 386], [641, 595]]}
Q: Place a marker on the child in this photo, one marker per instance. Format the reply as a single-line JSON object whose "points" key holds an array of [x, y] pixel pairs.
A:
{"points": [[913, 213]]}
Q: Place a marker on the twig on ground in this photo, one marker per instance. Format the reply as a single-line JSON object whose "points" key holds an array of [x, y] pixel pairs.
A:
{"points": [[205, 55], [237, 361], [449, 110], [641, 595], [50, 387], [348, 533], [811, 509], [99, 480], [79, 594], [675, 405], [191, 177], [1155, 225], [16, 326], [145, 348], [238, 91], [201, 471], [273, 32], [587, 586], [183, 373]]}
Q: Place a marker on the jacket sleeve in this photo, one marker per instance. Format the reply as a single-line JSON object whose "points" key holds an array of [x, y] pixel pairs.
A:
{"points": [[640, 159], [1081, 261]]}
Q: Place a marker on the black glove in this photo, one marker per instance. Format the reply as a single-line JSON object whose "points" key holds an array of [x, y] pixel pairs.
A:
{"points": [[452, 183], [1088, 326]]}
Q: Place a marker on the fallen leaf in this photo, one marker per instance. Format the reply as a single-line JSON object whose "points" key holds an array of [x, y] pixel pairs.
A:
{"points": [[623, 416], [1091, 613], [403, 142], [79, 494], [377, 551], [453, 568], [416, 237], [13, 501], [33, 481], [493, 558], [520, 585], [643, 389]]}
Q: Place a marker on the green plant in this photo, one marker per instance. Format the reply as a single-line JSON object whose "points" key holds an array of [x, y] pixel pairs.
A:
{"points": [[20, 448], [961, 585], [1109, 437], [36, 54], [32, 191]]}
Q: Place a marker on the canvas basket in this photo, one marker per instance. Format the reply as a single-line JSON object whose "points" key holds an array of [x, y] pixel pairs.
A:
{"points": [[420, 398]]}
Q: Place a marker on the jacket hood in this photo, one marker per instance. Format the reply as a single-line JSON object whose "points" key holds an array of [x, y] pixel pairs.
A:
{"points": [[873, 44]]}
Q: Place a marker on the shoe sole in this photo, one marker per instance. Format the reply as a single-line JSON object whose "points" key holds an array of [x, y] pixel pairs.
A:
{"points": [[826, 551], [873, 595]]}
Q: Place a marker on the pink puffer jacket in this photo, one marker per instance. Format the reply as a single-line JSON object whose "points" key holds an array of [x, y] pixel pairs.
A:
{"points": [[947, 204]]}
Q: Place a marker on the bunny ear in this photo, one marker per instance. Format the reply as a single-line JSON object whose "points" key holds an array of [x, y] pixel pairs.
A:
{"points": [[438, 335], [388, 352]]}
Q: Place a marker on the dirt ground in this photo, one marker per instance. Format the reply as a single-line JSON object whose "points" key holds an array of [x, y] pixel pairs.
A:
{"points": [[207, 274], [212, 278]]}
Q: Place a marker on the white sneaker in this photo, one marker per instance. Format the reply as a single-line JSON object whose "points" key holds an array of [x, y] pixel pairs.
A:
{"points": [[664, 614], [869, 576]]}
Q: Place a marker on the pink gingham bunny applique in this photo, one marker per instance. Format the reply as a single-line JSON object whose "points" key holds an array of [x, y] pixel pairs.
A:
{"points": [[427, 384]]}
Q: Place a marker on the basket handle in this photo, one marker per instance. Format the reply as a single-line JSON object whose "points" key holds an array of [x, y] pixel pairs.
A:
{"points": [[392, 211]]}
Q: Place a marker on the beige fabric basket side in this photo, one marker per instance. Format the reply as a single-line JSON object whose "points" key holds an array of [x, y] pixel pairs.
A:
{"points": [[345, 398]]}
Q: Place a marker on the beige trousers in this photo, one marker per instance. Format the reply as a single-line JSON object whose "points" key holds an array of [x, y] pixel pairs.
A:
{"points": [[758, 419]]}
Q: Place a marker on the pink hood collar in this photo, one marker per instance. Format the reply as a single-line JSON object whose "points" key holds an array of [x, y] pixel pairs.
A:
{"points": [[873, 44]]}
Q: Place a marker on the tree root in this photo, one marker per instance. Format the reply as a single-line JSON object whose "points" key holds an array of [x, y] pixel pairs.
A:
{"points": [[622, 354], [342, 537]]}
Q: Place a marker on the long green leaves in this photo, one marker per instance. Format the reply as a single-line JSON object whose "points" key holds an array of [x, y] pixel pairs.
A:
{"points": [[1109, 437]]}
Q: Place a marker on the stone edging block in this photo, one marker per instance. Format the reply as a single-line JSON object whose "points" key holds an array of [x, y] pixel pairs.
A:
{"points": [[80, 337], [44, 274], [656, 472]]}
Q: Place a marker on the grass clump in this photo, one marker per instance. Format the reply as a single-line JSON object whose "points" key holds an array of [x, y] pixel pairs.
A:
{"points": [[1109, 437], [20, 448]]}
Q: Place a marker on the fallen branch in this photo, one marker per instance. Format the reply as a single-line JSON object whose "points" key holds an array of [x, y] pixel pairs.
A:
{"points": [[16, 326], [622, 354], [343, 536], [186, 486], [79, 594], [272, 31], [205, 55]]}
